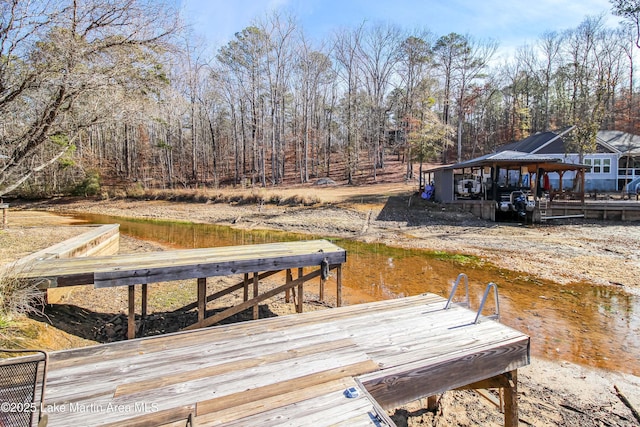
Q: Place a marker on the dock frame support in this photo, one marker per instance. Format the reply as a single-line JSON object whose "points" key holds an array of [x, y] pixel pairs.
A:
{"points": [[508, 383]]}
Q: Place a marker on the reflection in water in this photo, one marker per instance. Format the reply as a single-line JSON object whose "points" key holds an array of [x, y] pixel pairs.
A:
{"points": [[583, 323]]}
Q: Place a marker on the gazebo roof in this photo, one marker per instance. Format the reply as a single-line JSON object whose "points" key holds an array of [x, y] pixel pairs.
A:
{"points": [[517, 158]]}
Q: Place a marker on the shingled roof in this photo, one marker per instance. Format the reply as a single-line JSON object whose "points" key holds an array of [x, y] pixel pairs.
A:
{"points": [[619, 141], [540, 143]]}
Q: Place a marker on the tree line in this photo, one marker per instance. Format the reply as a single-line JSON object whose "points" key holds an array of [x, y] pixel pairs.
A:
{"points": [[121, 91]]}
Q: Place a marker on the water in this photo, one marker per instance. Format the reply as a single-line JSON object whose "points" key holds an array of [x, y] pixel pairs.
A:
{"points": [[592, 325]]}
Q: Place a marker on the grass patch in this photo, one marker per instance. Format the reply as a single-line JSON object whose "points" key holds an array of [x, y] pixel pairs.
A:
{"points": [[459, 258], [18, 297], [250, 196]]}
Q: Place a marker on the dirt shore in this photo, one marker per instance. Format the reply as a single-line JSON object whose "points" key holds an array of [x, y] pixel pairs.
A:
{"points": [[551, 392], [563, 251]]}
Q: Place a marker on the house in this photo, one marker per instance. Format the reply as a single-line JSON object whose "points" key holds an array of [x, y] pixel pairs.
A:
{"points": [[509, 182], [614, 166]]}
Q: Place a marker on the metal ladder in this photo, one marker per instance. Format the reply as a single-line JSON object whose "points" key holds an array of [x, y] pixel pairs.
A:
{"points": [[491, 285]]}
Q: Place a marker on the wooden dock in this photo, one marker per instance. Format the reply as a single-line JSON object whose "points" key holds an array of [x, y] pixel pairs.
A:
{"points": [[255, 262], [290, 370]]}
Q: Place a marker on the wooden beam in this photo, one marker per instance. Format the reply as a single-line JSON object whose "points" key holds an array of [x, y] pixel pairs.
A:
{"points": [[227, 291], [394, 387], [245, 284], [131, 318], [299, 306], [256, 307], [432, 402], [287, 293], [243, 410], [241, 307], [339, 286], [155, 418], [169, 379], [511, 400], [144, 301], [499, 381], [276, 389], [202, 298]]}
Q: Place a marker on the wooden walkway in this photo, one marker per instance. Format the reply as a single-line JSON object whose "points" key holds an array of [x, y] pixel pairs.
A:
{"points": [[254, 261], [290, 370]]}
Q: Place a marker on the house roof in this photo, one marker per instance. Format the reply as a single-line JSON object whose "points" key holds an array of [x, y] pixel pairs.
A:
{"points": [[618, 141], [514, 158], [518, 158], [542, 143]]}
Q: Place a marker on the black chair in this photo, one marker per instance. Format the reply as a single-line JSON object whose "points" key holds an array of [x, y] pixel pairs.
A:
{"points": [[22, 386]]}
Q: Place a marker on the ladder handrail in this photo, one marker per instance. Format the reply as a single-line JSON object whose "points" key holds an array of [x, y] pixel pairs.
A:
{"points": [[455, 287], [484, 299]]}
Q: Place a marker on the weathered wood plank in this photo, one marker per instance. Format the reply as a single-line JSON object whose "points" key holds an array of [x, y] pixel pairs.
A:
{"points": [[93, 354], [421, 379], [326, 409], [154, 418], [102, 240], [65, 383], [170, 379], [282, 387], [238, 410], [183, 394], [121, 270]]}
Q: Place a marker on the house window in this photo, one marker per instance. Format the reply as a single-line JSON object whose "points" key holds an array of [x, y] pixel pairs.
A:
{"points": [[599, 165]]}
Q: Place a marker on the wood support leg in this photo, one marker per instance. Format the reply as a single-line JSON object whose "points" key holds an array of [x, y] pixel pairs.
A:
{"points": [[256, 307], [246, 287], [322, 283], [287, 293], [131, 319], [300, 293], [144, 300], [202, 298], [339, 286], [432, 402], [511, 400]]}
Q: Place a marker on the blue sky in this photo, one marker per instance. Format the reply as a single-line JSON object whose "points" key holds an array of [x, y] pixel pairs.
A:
{"points": [[512, 23]]}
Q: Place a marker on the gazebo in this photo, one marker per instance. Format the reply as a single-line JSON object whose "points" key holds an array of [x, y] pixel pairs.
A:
{"points": [[512, 181]]}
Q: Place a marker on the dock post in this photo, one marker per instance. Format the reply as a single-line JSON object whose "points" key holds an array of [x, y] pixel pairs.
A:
{"points": [[256, 307], [300, 292], [144, 300], [287, 293], [432, 402], [339, 286], [202, 298], [131, 319], [246, 287], [511, 400]]}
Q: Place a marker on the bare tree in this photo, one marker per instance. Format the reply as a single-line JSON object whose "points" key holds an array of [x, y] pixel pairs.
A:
{"points": [[58, 54], [379, 56], [345, 52]]}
